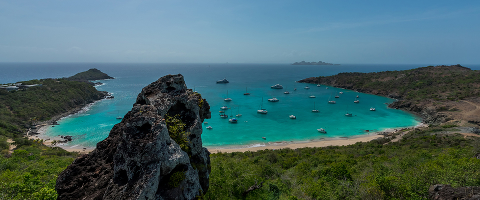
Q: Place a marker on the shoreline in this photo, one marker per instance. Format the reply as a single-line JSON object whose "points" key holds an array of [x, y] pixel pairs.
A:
{"points": [[337, 141]]}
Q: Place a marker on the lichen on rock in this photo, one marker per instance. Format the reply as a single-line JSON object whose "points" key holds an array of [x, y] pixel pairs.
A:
{"points": [[154, 153]]}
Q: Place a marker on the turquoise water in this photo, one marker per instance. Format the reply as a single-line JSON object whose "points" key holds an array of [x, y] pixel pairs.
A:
{"points": [[94, 124]]}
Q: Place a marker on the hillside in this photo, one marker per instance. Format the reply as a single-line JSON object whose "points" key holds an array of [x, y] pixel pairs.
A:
{"points": [[90, 75], [439, 94], [28, 168]]}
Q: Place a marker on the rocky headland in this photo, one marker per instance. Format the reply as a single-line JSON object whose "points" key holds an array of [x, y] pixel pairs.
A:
{"points": [[438, 94], [155, 152]]}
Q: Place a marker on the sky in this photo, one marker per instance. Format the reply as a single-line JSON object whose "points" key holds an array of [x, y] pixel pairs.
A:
{"points": [[240, 31]]}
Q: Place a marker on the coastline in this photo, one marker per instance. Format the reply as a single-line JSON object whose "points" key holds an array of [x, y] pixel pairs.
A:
{"points": [[338, 141]]}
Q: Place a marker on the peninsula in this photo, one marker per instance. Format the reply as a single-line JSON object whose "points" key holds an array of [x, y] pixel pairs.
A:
{"points": [[313, 63], [438, 94]]}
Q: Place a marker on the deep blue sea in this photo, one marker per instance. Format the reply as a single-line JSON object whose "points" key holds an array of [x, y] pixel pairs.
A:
{"points": [[94, 124]]}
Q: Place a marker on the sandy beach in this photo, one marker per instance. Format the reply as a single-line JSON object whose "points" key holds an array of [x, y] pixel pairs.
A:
{"points": [[269, 145], [283, 145]]}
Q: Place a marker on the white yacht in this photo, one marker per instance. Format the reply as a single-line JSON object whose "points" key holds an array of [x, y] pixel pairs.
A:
{"points": [[224, 108], [306, 87], [332, 102], [348, 114], [321, 130], [286, 92], [341, 92], [209, 127], [277, 86], [233, 120], [293, 117], [314, 110], [311, 96], [223, 115], [273, 99], [262, 110], [318, 85], [228, 99], [358, 96], [356, 101], [223, 81], [336, 96], [372, 109]]}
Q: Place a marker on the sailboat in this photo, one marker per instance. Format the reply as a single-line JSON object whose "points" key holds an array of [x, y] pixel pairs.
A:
{"points": [[238, 113], [331, 101], [286, 92], [246, 93], [262, 110], [119, 116], [356, 101], [233, 119], [314, 110], [348, 114], [227, 99]]}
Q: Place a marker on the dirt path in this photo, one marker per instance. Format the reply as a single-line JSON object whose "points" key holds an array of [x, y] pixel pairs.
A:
{"points": [[12, 147], [471, 112]]}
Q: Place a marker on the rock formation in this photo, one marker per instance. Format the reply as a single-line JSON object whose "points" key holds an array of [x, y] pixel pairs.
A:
{"points": [[155, 152]]}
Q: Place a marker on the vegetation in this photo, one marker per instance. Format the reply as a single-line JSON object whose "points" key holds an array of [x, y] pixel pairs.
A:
{"points": [[371, 170], [440, 83], [30, 172], [176, 130]]}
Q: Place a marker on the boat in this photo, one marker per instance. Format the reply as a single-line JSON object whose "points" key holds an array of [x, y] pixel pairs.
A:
{"points": [[326, 87], [224, 80], [358, 96], [318, 85], [341, 92], [262, 110], [273, 99], [238, 114], [331, 101], [264, 138], [205, 122], [246, 93], [347, 113], [372, 109], [286, 92], [276, 86], [306, 87], [224, 107], [314, 110], [119, 117], [223, 115], [228, 99], [209, 127], [321, 130], [356, 101], [292, 117], [233, 120], [336, 96], [221, 111], [311, 96]]}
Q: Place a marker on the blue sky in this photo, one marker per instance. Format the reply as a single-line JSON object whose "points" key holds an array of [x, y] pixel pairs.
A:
{"points": [[247, 31]]}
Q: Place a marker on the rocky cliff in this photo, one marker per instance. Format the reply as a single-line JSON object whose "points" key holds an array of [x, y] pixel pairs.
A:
{"points": [[155, 152]]}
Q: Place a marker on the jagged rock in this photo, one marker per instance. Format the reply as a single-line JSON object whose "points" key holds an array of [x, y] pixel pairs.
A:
{"points": [[139, 159], [447, 192]]}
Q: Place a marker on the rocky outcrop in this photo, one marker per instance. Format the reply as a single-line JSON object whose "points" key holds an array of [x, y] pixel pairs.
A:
{"points": [[154, 153], [447, 192]]}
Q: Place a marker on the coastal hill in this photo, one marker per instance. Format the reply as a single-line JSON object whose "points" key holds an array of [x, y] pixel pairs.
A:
{"points": [[437, 93], [90, 75], [28, 167], [313, 63]]}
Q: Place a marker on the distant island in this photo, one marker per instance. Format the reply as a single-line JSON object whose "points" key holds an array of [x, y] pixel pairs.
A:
{"points": [[313, 63]]}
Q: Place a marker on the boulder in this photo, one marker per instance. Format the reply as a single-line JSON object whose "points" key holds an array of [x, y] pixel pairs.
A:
{"points": [[155, 152]]}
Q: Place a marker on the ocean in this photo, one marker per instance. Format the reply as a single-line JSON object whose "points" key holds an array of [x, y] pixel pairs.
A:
{"points": [[94, 123]]}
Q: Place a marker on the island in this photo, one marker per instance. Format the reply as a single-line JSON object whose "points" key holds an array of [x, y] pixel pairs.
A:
{"points": [[313, 63]]}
